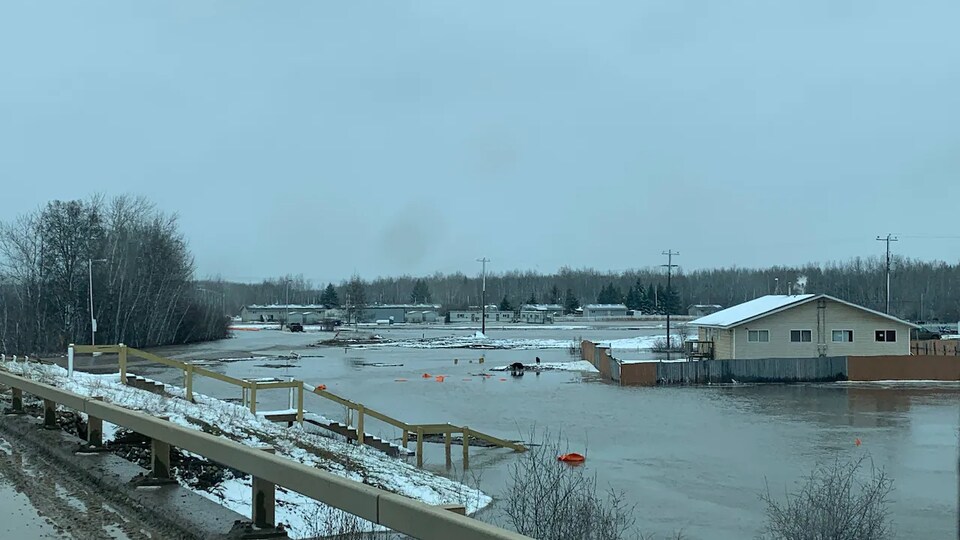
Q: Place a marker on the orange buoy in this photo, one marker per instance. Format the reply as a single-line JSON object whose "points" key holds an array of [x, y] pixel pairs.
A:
{"points": [[427, 376], [572, 457], [857, 441], [322, 387], [440, 378]]}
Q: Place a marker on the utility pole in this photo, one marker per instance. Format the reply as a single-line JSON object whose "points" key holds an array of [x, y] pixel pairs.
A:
{"points": [[93, 320], [670, 266], [889, 238], [483, 296]]}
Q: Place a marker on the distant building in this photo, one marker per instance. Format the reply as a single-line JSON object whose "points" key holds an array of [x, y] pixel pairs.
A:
{"points": [[396, 313], [424, 316], [539, 313], [604, 311], [702, 310], [286, 313], [802, 326], [473, 315]]}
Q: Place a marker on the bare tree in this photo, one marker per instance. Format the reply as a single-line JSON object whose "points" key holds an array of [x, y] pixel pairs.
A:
{"points": [[550, 500], [845, 500]]}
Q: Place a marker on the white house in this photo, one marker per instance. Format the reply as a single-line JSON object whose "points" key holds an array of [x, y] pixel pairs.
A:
{"points": [[605, 310], [802, 326], [539, 313], [473, 314]]}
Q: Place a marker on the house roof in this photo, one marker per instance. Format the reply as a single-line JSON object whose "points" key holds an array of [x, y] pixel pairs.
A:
{"points": [[605, 306], [770, 304]]}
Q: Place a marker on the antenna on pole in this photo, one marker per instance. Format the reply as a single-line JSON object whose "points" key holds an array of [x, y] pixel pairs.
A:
{"points": [[670, 266], [889, 238], [483, 296]]}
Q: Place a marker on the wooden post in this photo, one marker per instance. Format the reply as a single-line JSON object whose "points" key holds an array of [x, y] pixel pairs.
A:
{"points": [[447, 440], [466, 447], [17, 400], [188, 382], [95, 428], [50, 414], [264, 499], [160, 457], [404, 438], [419, 446], [123, 363], [360, 432], [253, 397], [300, 402]]}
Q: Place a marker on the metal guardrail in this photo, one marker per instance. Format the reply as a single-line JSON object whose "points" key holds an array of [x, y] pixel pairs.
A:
{"points": [[394, 511]]}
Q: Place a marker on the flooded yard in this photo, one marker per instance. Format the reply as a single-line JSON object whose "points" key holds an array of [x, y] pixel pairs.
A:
{"points": [[692, 459]]}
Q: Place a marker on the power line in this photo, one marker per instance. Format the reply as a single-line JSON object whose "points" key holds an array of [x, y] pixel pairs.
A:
{"points": [[889, 238]]}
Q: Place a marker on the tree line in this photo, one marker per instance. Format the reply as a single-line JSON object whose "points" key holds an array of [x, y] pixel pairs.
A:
{"points": [[134, 258], [920, 290]]}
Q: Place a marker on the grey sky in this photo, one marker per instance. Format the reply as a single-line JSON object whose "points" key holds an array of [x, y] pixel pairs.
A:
{"points": [[325, 138]]}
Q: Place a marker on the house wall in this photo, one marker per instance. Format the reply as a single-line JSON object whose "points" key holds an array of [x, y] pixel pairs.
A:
{"points": [[722, 341], [837, 316]]}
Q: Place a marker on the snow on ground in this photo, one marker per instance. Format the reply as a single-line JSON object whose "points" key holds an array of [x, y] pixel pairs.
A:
{"points": [[635, 343], [359, 463], [578, 365], [472, 342]]}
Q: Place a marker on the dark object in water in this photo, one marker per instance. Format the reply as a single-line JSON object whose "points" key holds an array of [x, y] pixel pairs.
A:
{"points": [[516, 369]]}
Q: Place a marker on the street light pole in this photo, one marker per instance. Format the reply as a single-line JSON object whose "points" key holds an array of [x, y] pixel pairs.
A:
{"points": [[93, 320], [483, 296], [669, 253]]}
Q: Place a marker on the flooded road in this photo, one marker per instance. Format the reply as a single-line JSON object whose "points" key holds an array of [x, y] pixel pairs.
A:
{"points": [[692, 459]]}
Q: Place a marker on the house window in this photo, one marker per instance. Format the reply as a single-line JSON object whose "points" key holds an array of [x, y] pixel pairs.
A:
{"points": [[843, 336], [886, 335], [801, 336], [758, 336]]}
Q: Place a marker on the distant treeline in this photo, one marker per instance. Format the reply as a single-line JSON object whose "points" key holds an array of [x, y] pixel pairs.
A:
{"points": [[928, 291], [141, 270]]}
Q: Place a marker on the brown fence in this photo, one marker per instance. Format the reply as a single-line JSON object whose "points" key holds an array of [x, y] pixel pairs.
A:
{"points": [[935, 347], [639, 374], [903, 368]]}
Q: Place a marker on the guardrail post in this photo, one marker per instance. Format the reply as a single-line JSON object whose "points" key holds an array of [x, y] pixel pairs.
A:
{"points": [[466, 447], [300, 403], [405, 437], [95, 428], [16, 401], [264, 499], [122, 360], [447, 441], [70, 360], [360, 432], [253, 397], [50, 414], [419, 446], [188, 382], [160, 457]]}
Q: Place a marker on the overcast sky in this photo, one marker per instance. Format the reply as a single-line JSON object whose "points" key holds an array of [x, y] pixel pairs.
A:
{"points": [[327, 138]]}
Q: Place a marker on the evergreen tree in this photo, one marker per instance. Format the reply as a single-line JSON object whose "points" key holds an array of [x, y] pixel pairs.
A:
{"points": [[421, 293], [570, 303], [671, 301], [610, 294], [532, 299], [555, 294], [633, 300], [356, 296], [659, 300], [505, 304], [329, 297]]}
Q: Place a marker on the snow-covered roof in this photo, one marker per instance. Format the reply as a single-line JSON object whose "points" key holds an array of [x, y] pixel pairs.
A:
{"points": [[605, 306], [768, 305], [706, 305], [541, 307]]}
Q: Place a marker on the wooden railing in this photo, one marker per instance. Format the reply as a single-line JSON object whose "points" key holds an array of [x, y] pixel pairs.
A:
{"points": [[249, 389]]}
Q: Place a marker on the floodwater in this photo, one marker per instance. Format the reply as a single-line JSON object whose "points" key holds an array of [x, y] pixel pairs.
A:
{"points": [[691, 459]]}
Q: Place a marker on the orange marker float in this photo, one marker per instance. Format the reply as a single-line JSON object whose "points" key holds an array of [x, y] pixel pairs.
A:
{"points": [[857, 441], [572, 458], [440, 378], [322, 387], [427, 376]]}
